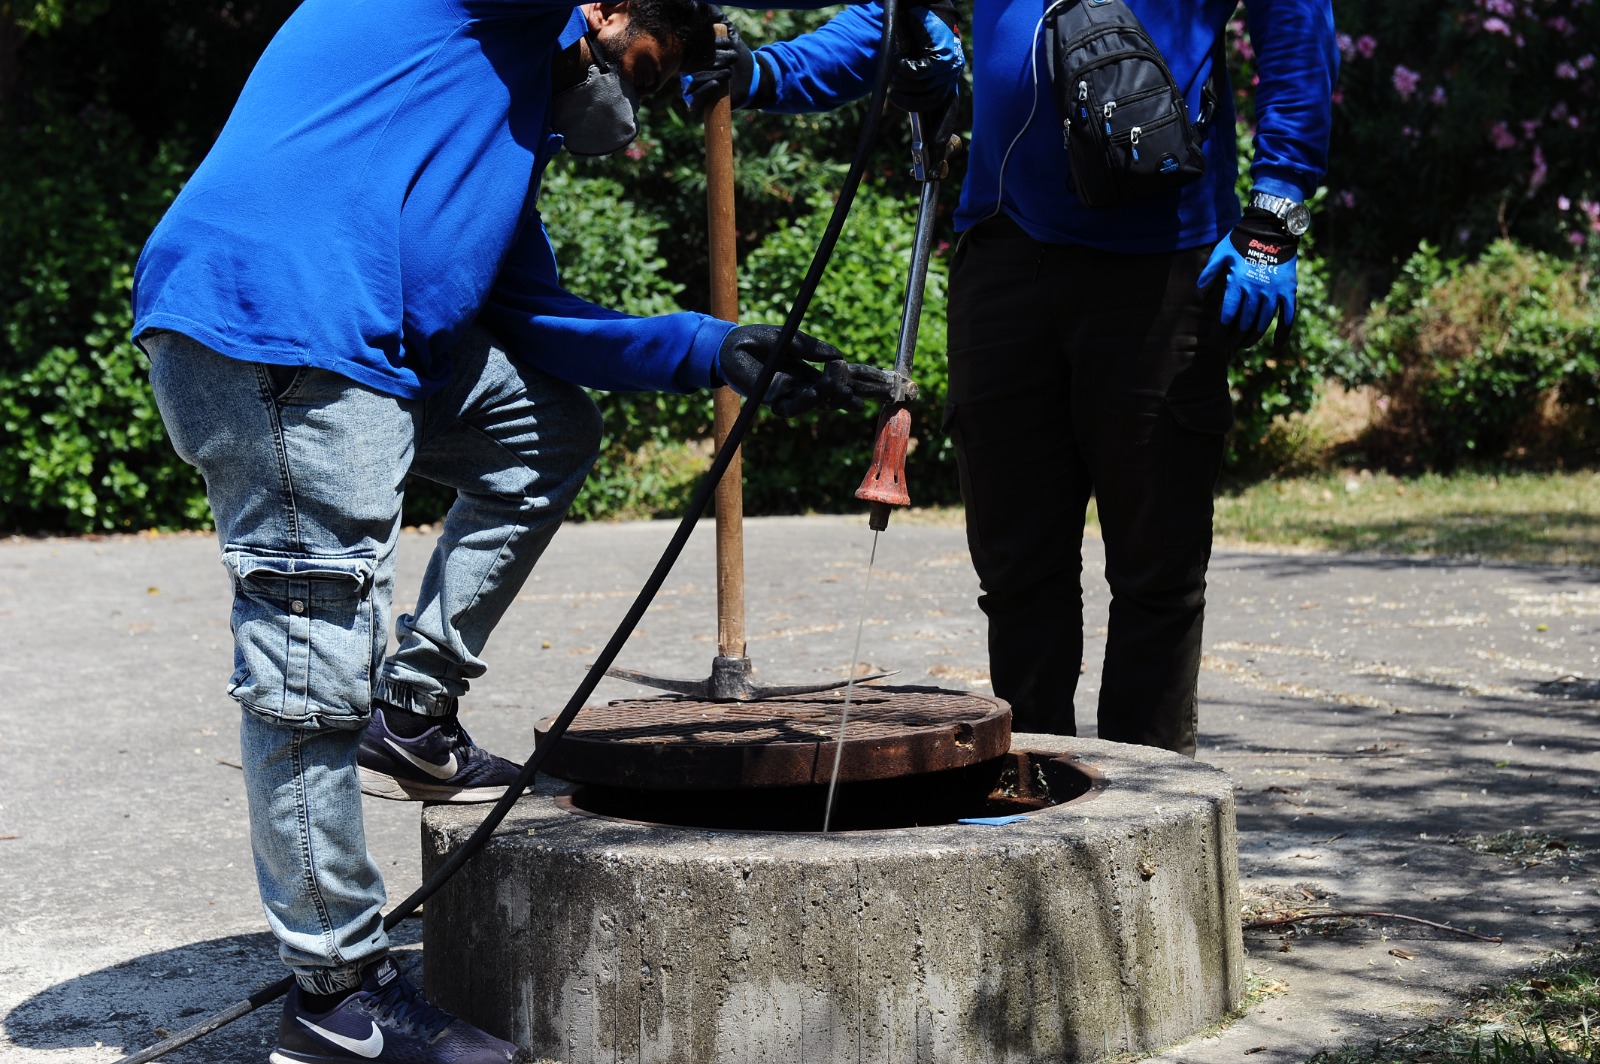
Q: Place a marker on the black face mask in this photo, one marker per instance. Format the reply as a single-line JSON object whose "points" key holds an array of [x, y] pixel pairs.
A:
{"points": [[600, 114]]}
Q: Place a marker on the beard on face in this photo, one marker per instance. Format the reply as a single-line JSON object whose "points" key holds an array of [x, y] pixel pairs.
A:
{"points": [[571, 63]]}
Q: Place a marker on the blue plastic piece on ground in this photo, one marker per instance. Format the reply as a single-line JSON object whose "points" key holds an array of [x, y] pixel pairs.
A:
{"points": [[993, 821]]}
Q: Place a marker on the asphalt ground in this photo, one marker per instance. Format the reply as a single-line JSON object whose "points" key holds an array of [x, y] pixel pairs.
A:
{"points": [[1406, 736]]}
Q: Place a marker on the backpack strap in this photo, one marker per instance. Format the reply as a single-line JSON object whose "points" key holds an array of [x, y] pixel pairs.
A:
{"points": [[1212, 92]]}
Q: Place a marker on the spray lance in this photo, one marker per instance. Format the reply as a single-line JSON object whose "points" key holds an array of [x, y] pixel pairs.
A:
{"points": [[933, 141]]}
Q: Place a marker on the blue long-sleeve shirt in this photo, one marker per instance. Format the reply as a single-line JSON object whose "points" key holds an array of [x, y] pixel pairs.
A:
{"points": [[1017, 163], [374, 192]]}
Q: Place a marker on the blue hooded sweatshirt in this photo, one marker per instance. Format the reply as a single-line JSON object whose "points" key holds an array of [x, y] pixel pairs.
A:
{"points": [[1017, 163], [374, 193]]}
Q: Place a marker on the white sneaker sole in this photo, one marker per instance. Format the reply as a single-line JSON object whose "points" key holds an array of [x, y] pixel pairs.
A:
{"points": [[381, 785]]}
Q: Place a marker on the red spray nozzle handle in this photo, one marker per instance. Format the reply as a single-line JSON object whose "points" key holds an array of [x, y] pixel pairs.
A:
{"points": [[885, 482]]}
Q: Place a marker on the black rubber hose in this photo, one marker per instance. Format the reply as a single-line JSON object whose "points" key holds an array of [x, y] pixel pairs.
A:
{"points": [[647, 593]]}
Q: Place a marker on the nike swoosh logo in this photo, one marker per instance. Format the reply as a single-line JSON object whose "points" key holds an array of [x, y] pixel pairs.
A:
{"points": [[368, 1047], [438, 772]]}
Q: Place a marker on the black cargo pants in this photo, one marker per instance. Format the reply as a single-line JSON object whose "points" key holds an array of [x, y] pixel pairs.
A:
{"points": [[1075, 371]]}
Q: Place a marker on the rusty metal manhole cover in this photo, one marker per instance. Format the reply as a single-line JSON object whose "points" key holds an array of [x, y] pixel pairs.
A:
{"points": [[674, 744]]}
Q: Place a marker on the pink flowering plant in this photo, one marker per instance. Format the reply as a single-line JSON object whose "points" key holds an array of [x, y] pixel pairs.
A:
{"points": [[1461, 123]]}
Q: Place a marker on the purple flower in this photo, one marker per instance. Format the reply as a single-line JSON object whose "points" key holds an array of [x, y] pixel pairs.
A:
{"points": [[1346, 45], [1439, 97], [1566, 72], [1405, 82], [1502, 137], [1540, 170], [1564, 203], [1366, 44], [1346, 199], [1586, 62], [1497, 25], [1503, 8]]}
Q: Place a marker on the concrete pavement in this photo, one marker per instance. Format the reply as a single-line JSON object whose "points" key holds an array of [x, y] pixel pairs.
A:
{"points": [[1416, 737]]}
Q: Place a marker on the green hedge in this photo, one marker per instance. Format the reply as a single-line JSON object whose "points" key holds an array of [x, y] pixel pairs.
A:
{"points": [[1447, 127], [1479, 361], [85, 450]]}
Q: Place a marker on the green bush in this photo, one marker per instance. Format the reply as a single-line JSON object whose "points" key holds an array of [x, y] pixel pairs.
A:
{"points": [[817, 462], [609, 252], [1449, 126], [85, 448], [1469, 356], [656, 445]]}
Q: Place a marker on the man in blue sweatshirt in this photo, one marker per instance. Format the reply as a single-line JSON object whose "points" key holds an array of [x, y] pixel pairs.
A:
{"points": [[355, 286], [1089, 348]]}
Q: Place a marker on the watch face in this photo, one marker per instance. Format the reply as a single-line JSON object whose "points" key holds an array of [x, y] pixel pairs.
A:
{"points": [[1297, 220]]}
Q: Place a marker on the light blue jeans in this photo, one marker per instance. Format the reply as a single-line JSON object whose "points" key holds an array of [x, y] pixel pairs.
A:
{"points": [[305, 471]]}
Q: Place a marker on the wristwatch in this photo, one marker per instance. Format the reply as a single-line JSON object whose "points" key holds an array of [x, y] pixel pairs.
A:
{"points": [[1294, 216]]}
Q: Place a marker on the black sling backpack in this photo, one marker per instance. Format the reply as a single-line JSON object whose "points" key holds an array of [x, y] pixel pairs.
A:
{"points": [[1123, 120]]}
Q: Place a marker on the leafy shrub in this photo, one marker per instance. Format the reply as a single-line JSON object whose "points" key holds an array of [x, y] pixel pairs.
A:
{"points": [[609, 251], [85, 447], [656, 444], [98, 102], [1467, 354], [816, 462]]}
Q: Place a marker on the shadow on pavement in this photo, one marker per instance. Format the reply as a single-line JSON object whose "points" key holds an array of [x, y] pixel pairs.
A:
{"points": [[137, 1003]]}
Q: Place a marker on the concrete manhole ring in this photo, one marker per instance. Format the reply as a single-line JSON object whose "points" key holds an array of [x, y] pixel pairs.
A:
{"points": [[1102, 926]]}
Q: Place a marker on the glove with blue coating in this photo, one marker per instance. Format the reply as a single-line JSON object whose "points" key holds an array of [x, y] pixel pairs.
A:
{"points": [[929, 60], [1256, 264], [797, 386]]}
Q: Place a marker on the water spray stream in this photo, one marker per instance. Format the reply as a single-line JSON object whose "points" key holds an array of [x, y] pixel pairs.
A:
{"points": [[850, 686]]}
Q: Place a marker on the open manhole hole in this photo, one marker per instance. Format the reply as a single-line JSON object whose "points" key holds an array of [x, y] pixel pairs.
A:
{"points": [[911, 757], [1016, 782]]}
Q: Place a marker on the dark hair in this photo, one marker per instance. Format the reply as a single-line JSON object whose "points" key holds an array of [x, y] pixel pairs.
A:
{"points": [[684, 20]]}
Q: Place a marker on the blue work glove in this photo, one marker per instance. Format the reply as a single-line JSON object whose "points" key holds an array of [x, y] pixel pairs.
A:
{"points": [[734, 70], [1256, 263], [798, 386], [929, 62]]}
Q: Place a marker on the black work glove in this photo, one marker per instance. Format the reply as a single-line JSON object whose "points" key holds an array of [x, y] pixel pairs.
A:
{"points": [[734, 70], [797, 386], [929, 60]]}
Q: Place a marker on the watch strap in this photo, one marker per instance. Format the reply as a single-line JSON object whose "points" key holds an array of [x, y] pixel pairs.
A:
{"points": [[1278, 205]]}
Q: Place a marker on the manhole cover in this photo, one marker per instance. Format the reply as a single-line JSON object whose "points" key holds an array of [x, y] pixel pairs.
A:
{"points": [[679, 744]]}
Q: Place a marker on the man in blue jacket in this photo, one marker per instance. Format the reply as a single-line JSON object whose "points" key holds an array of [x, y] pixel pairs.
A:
{"points": [[328, 306], [1089, 348]]}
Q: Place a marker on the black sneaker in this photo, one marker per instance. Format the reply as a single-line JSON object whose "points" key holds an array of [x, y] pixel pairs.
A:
{"points": [[385, 1021], [440, 765]]}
